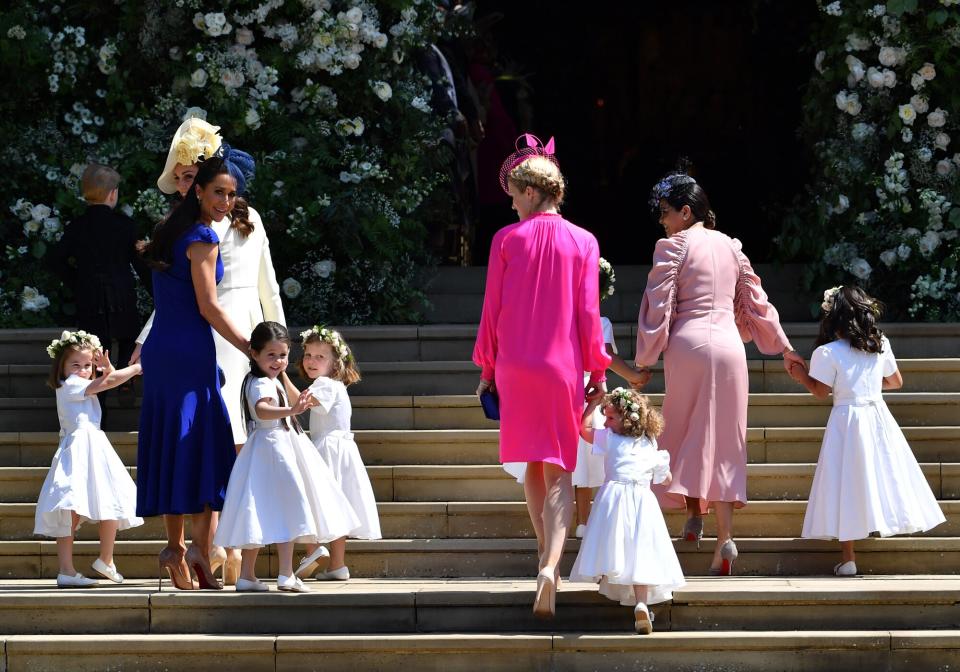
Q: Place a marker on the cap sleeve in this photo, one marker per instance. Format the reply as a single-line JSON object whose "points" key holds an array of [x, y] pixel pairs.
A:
{"points": [[607, 326], [660, 298], [264, 388], [823, 367], [661, 464], [75, 388], [201, 233], [757, 319], [324, 390], [888, 361], [600, 437]]}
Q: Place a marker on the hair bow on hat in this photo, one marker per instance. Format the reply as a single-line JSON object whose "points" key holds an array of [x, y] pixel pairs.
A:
{"points": [[534, 147], [239, 164]]}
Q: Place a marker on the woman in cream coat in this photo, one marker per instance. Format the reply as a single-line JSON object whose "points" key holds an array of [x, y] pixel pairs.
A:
{"points": [[248, 292]]}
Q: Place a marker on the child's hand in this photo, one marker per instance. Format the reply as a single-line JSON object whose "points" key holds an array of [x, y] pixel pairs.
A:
{"points": [[640, 378], [303, 402], [101, 359], [797, 371], [668, 480]]}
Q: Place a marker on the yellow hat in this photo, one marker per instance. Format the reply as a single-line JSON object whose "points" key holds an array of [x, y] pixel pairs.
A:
{"points": [[194, 139]]}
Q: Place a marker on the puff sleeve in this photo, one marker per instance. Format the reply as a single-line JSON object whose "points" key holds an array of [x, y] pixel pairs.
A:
{"points": [[75, 388], [660, 299], [661, 465], [888, 361], [757, 319], [485, 349], [324, 390], [823, 367], [600, 437], [594, 352]]}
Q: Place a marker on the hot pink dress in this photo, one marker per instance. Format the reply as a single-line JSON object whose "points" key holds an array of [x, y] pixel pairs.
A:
{"points": [[539, 332], [702, 302]]}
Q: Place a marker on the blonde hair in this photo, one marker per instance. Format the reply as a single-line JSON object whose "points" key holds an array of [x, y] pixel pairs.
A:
{"points": [[649, 422], [55, 377], [97, 182], [543, 175]]}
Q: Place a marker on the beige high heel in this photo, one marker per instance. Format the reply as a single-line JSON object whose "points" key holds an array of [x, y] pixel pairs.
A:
{"points": [[545, 602], [218, 558], [231, 568]]}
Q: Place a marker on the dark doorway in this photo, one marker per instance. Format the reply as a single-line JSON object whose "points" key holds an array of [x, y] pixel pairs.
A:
{"points": [[629, 87]]}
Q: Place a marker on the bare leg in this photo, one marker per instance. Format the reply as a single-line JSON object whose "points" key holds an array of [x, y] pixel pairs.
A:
{"points": [[557, 513], [201, 529], [248, 563], [535, 492], [285, 558], [174, 527], [65, 550], [724, 514], [582, 495], [846, 548], [338, 549], [108, 537], [693, 507], [640, 592]]}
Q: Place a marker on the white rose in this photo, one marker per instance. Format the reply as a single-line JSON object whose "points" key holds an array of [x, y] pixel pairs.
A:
{"points": [[907, 113], [291, 288], [244, 36], [917, 82], [920, 103], [889, 79], [843, 203], [40, 211], [379, 40], [231, 79], [944, 167], [937, 118], [903, 251], [856, 66], [199, 78], [874, 78], [252, 118], [634, 416], [31, 227], [195, 113], [929, 242], [860, 268], [857, 43], [841, 101], [358, 126], [889, 257], [382, 90], [942, 141], [355, 15], [928, 71], [351, 61], [890, 56], [325, 268]]}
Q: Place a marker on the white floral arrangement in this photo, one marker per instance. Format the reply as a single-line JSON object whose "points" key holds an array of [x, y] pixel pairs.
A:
{"points": [[626, 404], [829, 297], [607, 279], [340, 348], [76, 338]]}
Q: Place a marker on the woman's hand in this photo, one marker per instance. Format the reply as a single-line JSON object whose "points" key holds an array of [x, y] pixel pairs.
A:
{"points": [[486, 385], [135, 357], [790, 357], [596, 391], [640, 378]]}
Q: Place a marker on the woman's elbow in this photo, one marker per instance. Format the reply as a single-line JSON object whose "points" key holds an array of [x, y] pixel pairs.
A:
{"points": [[208, 310]]}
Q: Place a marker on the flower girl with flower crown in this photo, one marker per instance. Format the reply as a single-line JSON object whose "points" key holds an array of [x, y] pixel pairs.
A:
{"points": [[87, 481]]}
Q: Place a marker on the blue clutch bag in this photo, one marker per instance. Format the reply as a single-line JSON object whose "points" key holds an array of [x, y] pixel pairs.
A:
{"points": [[491, 405]]}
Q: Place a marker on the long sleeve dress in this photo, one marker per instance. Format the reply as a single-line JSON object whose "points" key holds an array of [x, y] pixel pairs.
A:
{"points": [[702, 302], [539, 332]]}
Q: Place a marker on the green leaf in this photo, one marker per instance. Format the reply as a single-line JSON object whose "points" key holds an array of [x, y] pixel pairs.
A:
{"points": [[39, 249]]}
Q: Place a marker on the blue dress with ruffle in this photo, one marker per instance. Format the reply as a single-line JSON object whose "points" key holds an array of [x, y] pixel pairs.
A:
{"points": [[185, 449]]}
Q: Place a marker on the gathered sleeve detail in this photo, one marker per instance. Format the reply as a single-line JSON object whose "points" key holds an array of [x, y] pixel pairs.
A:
{"points": [[324, 390], [757, 319], [592, 346], [201, 233], [661, 465], [659, 304], [485, 349]]}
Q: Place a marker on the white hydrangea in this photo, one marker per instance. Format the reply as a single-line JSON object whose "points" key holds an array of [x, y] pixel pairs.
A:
{"points": [[833, 9], [291, 288], [888, 257], [860, 268], [31, 300], [325, 268]]}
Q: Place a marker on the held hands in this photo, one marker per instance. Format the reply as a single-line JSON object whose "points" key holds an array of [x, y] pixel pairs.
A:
{"points": [[797, 371], [668, 480], [135, 357], [641, 377], [486, 385], [304, 401], [594, 394]]}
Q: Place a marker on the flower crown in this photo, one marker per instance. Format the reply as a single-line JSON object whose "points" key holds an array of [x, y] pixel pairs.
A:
{"points": [[333, 338], [626, 405], [664, 188], [68, 338], [607, 279], [829, 297]]}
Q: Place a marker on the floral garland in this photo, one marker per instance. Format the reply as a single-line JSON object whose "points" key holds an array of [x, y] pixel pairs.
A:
{"points": [[829, 297], [72, 338], [626, 404], [332, 337], [607, 279]]}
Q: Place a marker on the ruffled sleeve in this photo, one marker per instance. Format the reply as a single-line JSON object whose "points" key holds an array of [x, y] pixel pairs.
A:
{"points": [[201, 233], [757, 319], [594, 352], [660, 298], [75, 388], [888, 361], [324, 390], [661, 465], [823, 367], [485, 349]]}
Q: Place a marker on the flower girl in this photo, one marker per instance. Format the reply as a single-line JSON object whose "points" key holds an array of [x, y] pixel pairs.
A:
{"points": [[280, 491], [87, 481], [328, 362], [627, 547], [867, 479]]}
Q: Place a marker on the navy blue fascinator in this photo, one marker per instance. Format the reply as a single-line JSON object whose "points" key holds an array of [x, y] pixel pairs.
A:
{"points": [[239, 164]]}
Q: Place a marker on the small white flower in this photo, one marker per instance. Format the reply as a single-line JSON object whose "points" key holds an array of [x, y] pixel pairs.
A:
{"points": [[16, 33], [380, 41], [198, 78], [928, 72], [929, 242], [888, 257], [891, 56], [917, 82], [252, 118], [382, 90], [944, 167], [874, 78], [325, 268], [889, 79], [903, 251], [834, 9], [907, 114], [231, 79], [291, 288], [906, 135], [843, 204], [354, 15], [937, 118], [942, 141], [920, 103], [860, 268], [244, 36], [925, 154], [856, 67], [195, 113]]}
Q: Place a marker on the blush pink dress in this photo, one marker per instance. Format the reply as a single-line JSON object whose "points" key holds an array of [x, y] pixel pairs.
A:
{"points": [[539, 332], [702, 302]]}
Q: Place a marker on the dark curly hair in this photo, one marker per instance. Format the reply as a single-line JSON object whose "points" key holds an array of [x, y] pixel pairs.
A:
{"points": [[853, 317]]}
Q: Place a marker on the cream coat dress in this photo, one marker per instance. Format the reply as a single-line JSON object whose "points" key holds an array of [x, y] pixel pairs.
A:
{"points": [[249, 294]]}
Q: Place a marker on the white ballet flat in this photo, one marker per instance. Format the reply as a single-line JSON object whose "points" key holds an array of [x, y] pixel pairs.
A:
{"points": [[107, 571], [339, 574], [308, 562], [848, 568], [247, 586], [291, 584], [581, 530], [78, 580], [642, 619]]}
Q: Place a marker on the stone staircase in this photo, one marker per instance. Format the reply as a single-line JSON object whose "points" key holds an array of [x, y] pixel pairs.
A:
{"points": [[452, 579]]}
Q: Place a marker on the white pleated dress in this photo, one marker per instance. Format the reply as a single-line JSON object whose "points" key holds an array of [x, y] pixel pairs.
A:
{"points": [[330, 432], [589, 470], [627, 542], [867, 479], [86, 475], [280, 490]]}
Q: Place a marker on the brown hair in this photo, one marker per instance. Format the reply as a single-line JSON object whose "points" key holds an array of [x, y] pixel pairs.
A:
{"points": [[97, 182], [650, 423], [240, 217], [543, 175], [55, 377], [262, 335], [346, 371], [853, 317]]}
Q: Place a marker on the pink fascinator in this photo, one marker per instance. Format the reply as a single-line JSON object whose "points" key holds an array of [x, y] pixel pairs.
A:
{"points": [[533, 147]]}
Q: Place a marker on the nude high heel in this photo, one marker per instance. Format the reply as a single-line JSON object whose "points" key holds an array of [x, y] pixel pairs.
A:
{"points": [[231, 569], [171, 560], [198, 564], [545, 602], [693, 530], [218, 558], [728, 554]]}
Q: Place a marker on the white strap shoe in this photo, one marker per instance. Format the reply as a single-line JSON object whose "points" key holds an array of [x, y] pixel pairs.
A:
{"points": [[107, 571], [642, 619], [246, 586], [291, 584], [307, 564], [339, 574], [581, 530], [78, 580], [845, 569]]}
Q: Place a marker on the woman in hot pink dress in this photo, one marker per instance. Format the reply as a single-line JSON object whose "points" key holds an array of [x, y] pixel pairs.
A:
{"points": [[539, 332], [702, 302]]}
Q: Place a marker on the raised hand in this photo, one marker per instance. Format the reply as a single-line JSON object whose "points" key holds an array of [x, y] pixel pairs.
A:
{"points": [[304, 402], [101, 359]]}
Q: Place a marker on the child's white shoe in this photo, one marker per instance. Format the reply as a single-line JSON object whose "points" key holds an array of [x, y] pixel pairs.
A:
{"points": [[339, 574], [78, 580], [306, 565], [291, 584], [581, 530], [107, 571], [247, 586], [848, 568], [642, 619]]}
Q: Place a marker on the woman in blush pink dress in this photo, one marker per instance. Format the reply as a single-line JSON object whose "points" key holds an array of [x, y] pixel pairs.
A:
{"points": [[702, 302], [539, 332]]}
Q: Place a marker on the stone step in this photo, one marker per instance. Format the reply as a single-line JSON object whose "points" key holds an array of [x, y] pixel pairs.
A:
{"points": [[459, 377], [488, 520], [804, 651], [463, 411], [490, 483], [486, 605], [481, 446], [459, 558], [454, 342]]}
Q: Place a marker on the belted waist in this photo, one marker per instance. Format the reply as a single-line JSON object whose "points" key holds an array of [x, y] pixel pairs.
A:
{"points": [[631, 481], [857, 401]]}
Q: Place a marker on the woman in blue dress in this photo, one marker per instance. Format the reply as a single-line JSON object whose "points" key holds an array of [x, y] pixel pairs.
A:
{"points": [[185, 448]]}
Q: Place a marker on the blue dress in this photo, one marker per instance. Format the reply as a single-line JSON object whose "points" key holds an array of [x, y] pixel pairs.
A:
{"points": [[185, 448]]}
